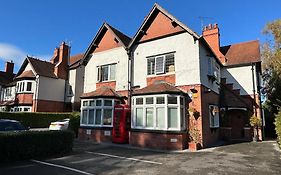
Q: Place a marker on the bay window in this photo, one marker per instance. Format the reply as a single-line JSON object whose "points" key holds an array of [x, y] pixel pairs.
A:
{"points": [[97, 112], [24, 86], [159, 112]]}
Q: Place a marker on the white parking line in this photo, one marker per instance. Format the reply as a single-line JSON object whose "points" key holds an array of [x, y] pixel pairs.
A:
{"points": [[126, 158], [63, 167]]}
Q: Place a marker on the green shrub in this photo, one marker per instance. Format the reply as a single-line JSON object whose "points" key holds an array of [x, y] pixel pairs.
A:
{"points": [[278, 127], [42, 120], [34, 144], [74, 122]]}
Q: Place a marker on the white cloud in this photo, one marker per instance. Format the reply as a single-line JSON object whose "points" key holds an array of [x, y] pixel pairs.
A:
{"points": [[10, 52]]}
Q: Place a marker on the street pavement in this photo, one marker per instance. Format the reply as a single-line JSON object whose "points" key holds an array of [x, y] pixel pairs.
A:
{"points": [[90, 159]]}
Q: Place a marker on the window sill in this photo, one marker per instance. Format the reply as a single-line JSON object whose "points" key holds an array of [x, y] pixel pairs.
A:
{"points": [[108, 81], [95, 127], [159, 75], [25, 92], [158, 131]]}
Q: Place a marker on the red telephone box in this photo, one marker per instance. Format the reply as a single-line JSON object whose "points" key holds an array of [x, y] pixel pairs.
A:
{"points": [[121, 124]]}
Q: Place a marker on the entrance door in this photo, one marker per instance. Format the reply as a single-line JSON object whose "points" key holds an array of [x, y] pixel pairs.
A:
{"points": [[237, 123]]}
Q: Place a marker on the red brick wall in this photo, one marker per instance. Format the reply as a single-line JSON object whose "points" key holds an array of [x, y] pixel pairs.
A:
{"points": [[47, 106], [24, 98], [107, 42], [159, 140], [160, 26], [111, 84], [200, 102], [97, 135], [210, 136], [168, 78]]}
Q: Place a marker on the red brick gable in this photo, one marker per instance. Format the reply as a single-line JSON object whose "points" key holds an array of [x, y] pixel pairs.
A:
{"points": [[107, 42], [161, 25]]}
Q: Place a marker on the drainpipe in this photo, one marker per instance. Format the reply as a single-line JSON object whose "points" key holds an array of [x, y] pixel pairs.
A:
{"points": [[259, 98], [254, 89], [129, 53], [36, 93]]}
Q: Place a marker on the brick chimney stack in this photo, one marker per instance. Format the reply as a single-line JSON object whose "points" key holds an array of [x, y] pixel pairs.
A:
{"points": [[60, 59], [9, 67], [211, 34]]}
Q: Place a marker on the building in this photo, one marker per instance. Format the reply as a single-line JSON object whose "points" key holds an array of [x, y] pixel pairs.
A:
{"points": [[105, 82], [177, 83], [7, 88], [45, 86]]}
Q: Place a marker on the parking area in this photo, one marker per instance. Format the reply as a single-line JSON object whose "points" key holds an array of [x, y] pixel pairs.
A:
{"points": [[90, 158]]}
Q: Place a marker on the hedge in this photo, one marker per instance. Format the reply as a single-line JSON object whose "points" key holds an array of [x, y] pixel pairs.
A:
{"points": [[278, 127], [34, 144], [42, 120]]}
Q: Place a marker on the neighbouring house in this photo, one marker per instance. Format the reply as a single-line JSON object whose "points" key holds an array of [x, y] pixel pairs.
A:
{"points": [[105, 82], [177, 83], [44, 86], [7, 87], [75, 83]]}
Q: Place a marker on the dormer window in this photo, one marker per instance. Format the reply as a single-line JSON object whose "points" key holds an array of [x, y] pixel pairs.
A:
{"points": [[161, 64]]}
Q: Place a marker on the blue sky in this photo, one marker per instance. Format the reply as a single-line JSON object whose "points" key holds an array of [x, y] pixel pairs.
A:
{"points": [[36, 27]]}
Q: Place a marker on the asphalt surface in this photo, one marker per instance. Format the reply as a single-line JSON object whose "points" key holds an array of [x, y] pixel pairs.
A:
{"points": [[89, 158]]}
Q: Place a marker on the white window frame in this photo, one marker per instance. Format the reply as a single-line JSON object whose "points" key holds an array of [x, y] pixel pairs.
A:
{"points": [[155, 106], [21, 86], [87, 107], [155, 58], [216, 123], [214, 69], [99, 72]]}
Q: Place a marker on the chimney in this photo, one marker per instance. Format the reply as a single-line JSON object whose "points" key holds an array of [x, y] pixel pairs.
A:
{"points": [[55, 57], [9, 67], [61, 56], [211, 34]]}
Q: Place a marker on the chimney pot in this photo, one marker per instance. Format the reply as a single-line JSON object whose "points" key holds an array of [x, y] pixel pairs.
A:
{"points": [[210, 26]]}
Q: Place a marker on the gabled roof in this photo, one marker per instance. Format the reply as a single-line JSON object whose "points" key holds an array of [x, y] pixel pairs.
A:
{"points": [[122, 38], [75, 60], [6, 78], [241, 53], [156, 8], [42, 68], [103, 92], [26, 74], [159, 88]]}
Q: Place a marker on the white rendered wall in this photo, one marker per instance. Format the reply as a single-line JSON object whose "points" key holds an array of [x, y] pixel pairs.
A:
{"points": [[186, 58], [76, 81], [116, 55], [204, 56], [28, 67], [51, 89], [79, 83], [241, 77]]}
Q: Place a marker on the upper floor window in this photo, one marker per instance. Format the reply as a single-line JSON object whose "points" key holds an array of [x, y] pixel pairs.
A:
{"points": [[106, 72], [213, 69], [24, 86], [161, 64], [8, 92]]}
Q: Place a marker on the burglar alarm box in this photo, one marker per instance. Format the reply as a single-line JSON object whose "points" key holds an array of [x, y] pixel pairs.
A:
{"points": [[121, 124]]}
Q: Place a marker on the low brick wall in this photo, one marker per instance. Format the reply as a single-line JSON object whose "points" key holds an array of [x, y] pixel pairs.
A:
{"points": [[159, 140], [95, 134]]}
